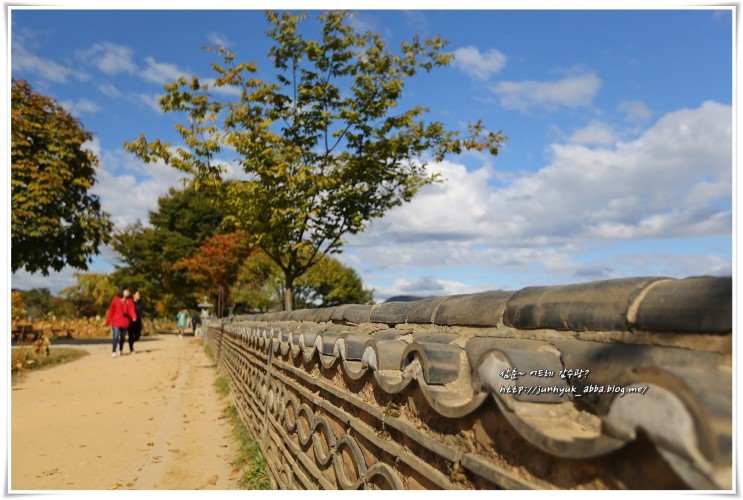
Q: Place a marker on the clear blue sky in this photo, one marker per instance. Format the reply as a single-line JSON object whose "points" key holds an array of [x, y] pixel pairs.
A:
{"points": [[618, 163]]}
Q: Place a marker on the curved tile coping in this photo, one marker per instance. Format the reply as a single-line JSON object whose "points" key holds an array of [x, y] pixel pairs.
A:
{"points": [[696, 305], [685, 408]]}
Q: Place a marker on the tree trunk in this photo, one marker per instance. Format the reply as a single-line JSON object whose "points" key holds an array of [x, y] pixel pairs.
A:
{"points": [[288, 292]]}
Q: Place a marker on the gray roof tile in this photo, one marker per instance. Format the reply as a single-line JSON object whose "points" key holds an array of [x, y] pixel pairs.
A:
{"points": [[391, 313], [690, 305], [422, 311], [477, 309], [352, 313], [596, 306], [686, 412]]}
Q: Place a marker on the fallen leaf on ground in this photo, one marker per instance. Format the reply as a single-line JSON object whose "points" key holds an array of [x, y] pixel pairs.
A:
{"points": [[213, 479], [49, 472]]}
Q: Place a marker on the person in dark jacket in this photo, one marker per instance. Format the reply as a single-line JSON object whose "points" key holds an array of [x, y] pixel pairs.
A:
{"points": [[121, 312], [194, 322], [135, 326]]}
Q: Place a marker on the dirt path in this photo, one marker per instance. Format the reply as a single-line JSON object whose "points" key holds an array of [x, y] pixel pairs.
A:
{"points": [[152, 420]]}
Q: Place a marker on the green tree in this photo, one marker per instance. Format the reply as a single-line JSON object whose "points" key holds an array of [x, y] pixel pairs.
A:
{"points": [[327, 146], [63, 308], [18, 307], [147, 256], [39, 303], [92, 293], [55, 221], [190, 213], [259, 285], [183, 220], [328, 283]]}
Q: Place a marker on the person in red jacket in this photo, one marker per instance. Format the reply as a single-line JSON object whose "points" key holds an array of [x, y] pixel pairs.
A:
{"points": [[121, 313]]}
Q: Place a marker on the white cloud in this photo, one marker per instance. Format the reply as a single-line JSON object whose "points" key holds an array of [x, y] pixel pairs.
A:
{"points": [[362, 21], [673, 181], [81, 106], [479, 65], [128, 188], [640, 184], [162, 73], [24, 61], [93, 145], [115, 59], [54, 282], [149, 100], [219, 39], [232, 170], [226, 90], [596, 133], [675, 265], [422, 287], [635, 111], [417, 20], [110, 58], [438, 208], [570, 92], [109, 90]]}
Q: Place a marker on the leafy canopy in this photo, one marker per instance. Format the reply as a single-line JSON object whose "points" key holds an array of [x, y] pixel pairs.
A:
{"points": [[17, 305], [215, 265], [326, 144], [55, 220], [38, 302], [260, 287], [91, 294], [183, 220]]}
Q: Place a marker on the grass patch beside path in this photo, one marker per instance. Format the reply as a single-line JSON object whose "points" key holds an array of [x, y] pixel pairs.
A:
{"points": [[250, 459], [223, 386], [23, 359], [255, 475]]}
